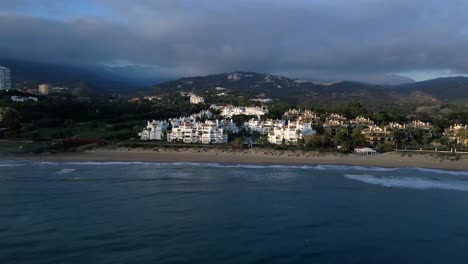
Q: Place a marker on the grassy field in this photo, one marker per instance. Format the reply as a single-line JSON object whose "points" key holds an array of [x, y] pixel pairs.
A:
{"points": [[28, 146]]}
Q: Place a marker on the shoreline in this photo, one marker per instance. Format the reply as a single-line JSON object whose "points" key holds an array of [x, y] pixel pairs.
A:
{"points": [[252, 156]]}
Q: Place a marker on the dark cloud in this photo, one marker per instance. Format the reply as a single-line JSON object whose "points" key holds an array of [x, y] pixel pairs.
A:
{"points": [[319, 39]]}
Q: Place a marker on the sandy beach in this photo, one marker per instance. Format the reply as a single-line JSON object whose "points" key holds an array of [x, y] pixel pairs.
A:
{"points": [[256, 156]]}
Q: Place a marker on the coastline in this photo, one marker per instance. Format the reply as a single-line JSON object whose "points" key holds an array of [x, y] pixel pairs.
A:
{"points": [[252, 156]]}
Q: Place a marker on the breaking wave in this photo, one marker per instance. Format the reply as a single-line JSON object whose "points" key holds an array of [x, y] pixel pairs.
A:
{"points": [[65, 171], [12, 165], [225, 165], [456, 173], [410, 182]]}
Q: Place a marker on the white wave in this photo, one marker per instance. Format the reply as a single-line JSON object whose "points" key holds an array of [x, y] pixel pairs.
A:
{"points": [[65, 171], [349, 167], [249, 166], [410, 182], [242, 165], [456, 173], [12, 165]]}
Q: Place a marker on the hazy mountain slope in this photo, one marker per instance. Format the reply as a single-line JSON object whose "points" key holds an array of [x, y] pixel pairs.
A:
{"points": [[449, 88]]}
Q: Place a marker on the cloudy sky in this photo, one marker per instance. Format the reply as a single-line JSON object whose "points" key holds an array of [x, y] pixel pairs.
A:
{"points": [[310, 39]]}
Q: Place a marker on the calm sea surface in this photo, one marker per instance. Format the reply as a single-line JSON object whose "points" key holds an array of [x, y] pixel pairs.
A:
{"points": [[208, 213]]}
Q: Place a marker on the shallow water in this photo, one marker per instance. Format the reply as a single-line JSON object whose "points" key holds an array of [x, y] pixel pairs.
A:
{"points": [[118, 212]]}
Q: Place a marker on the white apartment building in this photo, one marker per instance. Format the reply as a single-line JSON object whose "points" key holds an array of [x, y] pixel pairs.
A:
{"points": [[154, 130], [206, 133], [262, 126], [230, 111], [290, 134], [195, 99], [203, 113], [22, 99]]}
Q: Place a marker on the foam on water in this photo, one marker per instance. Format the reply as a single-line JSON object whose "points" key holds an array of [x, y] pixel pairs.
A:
{"points": [[65, 171], [12, 165], [456, 173], [225, 165], [410, 182], [242, 166]]}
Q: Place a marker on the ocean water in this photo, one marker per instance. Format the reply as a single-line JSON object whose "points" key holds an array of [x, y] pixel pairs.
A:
{"points": [[117, 212]]}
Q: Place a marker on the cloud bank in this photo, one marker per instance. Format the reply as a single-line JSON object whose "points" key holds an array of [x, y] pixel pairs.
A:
{"points": [[304, 39]]}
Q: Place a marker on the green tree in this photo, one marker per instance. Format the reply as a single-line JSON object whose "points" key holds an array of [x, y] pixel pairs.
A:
{"points": [[385, 146], [358, 139], [11, 120]]}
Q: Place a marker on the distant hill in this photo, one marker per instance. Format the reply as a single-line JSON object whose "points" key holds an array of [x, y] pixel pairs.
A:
{"points": [[278, 87], [99, 78], [449, 88]]}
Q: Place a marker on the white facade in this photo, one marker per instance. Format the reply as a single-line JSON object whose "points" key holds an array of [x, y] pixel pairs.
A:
{"points": [[154, 130], [262, 126], [290, 134], [5, 78], [230, 111], [22, 99], [205, 133], [203, 113], [195, 99]]}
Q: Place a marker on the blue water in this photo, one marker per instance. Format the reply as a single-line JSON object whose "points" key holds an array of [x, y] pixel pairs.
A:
{"points": [[210, 213]]}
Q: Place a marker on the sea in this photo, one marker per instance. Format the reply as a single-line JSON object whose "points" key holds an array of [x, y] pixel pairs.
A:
{"points": [[138, 212]]}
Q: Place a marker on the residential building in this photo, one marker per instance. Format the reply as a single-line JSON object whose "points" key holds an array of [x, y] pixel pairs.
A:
{"points": [[22, 99], [361, 121], [197, 132], [45, 88], [334, 116], [290, 134], [457, 134], [230, 111], [375, 134], [262, 126], [5, 78], [335, 122], [421, 125], [306, 115], [195, 99], [154, 130], [394, 125], [203, 114]]}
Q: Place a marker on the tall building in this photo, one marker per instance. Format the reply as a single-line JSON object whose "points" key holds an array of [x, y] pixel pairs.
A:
{"points": [[5, 78], [45, 88]]}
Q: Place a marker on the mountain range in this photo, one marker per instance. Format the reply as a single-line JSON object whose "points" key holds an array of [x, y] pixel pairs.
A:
{"points": [[132, 79], [451, 89]]}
